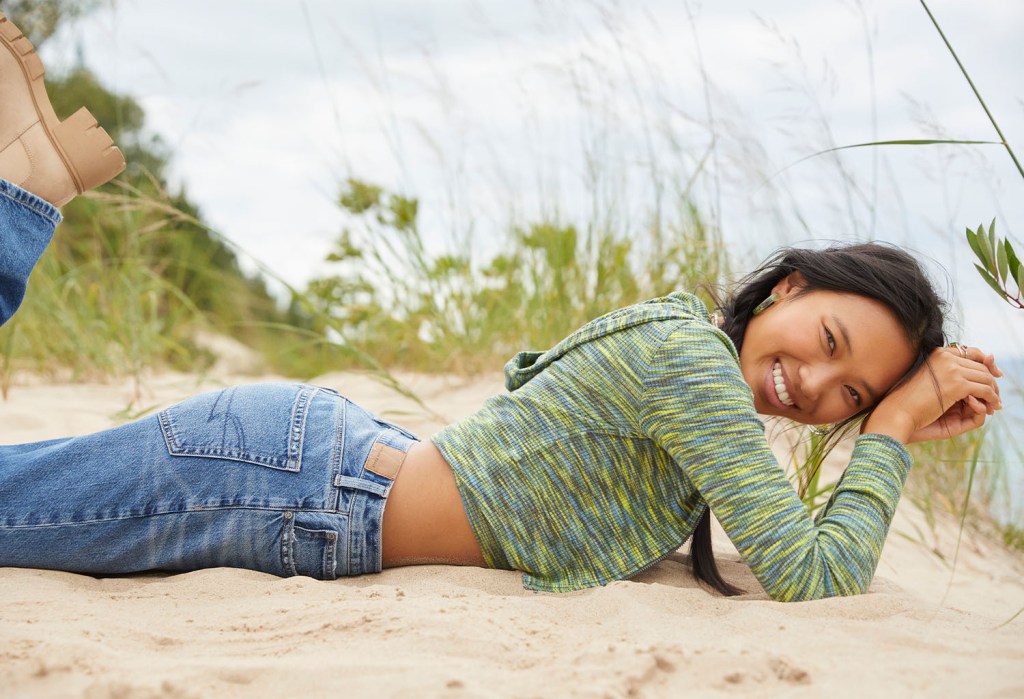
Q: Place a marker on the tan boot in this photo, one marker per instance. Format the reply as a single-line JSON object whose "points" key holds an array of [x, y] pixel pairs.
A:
{"points": [[52, 159]]}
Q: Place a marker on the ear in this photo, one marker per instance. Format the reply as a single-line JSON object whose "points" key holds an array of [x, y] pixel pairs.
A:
{"points": [[790, 284]]}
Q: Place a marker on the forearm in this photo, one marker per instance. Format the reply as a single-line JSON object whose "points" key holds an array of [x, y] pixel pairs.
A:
{"points": [[889, 423], [796, 559]]}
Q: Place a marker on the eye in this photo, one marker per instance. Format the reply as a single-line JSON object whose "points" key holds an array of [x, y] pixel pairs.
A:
{"points": [[854, 393], [830, 339]]}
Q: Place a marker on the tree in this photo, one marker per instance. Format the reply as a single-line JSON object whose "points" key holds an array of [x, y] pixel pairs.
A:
{"points": [[40, 19]]}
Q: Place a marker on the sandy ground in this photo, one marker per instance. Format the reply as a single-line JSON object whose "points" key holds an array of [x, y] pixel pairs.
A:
{"points": [[445, 631]]}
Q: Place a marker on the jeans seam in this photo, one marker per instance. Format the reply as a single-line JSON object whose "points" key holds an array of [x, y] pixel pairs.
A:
{"points": [[30, 201], [191, 510], [338, 454], [297, 428]]}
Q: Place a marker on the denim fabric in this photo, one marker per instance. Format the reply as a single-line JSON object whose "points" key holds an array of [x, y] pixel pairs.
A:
{"points": [[285, 479], [26, 227]]}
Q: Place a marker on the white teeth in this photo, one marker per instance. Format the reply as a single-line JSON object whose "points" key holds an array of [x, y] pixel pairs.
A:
{"points": [[780, 386]]}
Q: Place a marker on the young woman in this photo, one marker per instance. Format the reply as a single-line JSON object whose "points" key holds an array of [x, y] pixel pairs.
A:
{"points": [[605, 455]]}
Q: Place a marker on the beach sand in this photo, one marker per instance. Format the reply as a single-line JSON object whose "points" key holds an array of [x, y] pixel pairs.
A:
{"points": [[465, 632]]}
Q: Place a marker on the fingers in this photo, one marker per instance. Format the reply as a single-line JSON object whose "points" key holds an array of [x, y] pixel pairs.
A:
{"points": [[963, 373], [971, 422], [960, 418], [978, 407], [975, 354], [965, 416], [990, 362], [981, 385], [953, 393]]}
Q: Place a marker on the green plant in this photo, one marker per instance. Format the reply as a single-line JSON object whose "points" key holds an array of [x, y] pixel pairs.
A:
{"points": [[999, 266], [393, 298], [132, 272], [967, 76], [996, 259]]}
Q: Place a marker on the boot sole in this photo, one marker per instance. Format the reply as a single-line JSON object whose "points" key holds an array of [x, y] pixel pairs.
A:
{"points": [[88, 153]]}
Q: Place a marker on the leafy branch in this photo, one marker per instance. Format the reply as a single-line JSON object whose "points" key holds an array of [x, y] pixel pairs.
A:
{"points": [[1000, 267], [997, 256]]}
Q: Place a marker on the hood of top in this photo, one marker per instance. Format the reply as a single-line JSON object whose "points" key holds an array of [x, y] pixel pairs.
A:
{"points": [[677, 305]]}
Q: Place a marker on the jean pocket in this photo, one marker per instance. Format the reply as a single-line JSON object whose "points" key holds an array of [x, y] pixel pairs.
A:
{"points": [[260, 424], [310, 543]]}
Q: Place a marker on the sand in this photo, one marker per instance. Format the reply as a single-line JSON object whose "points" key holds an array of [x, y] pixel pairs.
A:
{"points": [[429, 631]]}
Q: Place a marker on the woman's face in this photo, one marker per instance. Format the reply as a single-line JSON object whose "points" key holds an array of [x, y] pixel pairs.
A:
{"points": [[822, 356]]}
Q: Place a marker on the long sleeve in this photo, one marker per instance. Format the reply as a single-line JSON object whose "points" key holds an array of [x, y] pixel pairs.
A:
{"points": [[697, 407]]}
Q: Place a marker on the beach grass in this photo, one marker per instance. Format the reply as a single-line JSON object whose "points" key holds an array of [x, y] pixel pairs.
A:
{"points": [[469, 311], [135, 272]]}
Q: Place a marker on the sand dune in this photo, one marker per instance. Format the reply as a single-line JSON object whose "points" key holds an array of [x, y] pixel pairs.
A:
{"points": [[446, 631]]}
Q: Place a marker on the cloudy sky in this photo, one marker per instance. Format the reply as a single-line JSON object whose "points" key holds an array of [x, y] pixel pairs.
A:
{"points": [[491, 112]]}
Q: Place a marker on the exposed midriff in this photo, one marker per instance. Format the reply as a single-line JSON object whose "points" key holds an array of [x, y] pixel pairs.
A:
{"points": [[424, 518]]}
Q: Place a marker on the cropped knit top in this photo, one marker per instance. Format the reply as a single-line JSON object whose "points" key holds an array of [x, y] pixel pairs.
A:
{"points": [[605, 451]]}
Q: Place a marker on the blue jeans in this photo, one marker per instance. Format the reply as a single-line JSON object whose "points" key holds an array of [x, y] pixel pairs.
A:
{"points": [[281, 478], [286, 479], [26, 227]]}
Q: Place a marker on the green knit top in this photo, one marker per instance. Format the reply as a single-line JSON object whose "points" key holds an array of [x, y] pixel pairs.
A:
{"points": [[607, 449]]}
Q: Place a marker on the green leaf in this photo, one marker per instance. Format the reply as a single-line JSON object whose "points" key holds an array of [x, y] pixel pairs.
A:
{"points": [[972, 240], [403, 212], [987, 276], [1001, 262], [898, 142], [993, 265], [914, 142], [986, 249], [359, 197], [990, 239], [1020, 281], [1011, 259]]}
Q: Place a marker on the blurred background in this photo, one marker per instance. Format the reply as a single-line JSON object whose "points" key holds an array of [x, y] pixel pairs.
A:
{"points": [[433, 186], [488, 112]]}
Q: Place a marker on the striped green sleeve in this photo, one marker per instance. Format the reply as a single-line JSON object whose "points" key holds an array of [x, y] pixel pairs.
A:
{"points": [[698, 408]]}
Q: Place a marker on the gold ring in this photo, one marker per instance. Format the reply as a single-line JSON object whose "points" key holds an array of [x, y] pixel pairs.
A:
{"points": [[960, 348]]}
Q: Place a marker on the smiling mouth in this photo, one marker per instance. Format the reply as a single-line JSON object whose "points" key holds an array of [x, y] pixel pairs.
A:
{"points": [[780, 386]]}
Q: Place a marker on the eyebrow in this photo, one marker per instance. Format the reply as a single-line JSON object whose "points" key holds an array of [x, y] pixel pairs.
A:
{"points": [[872, 393]]}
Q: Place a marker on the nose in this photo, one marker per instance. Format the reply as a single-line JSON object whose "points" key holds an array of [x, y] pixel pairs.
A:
{"points": [[815, 379]]}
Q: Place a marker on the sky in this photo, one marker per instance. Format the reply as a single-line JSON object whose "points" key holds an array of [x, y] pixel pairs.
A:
{"points": [[497, 112]]}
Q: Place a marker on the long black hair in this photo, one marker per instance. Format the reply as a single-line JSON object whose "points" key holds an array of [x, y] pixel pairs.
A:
{"points": [[876, 271]]}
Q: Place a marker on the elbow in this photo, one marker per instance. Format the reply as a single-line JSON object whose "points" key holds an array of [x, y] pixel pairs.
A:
{"points": [[846, 584]]}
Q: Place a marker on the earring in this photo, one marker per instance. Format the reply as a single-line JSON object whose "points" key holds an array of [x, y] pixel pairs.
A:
{"points": [[772, 298]]}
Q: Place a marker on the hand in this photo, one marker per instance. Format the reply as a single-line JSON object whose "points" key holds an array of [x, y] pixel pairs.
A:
{"points": [[947, 396]]}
